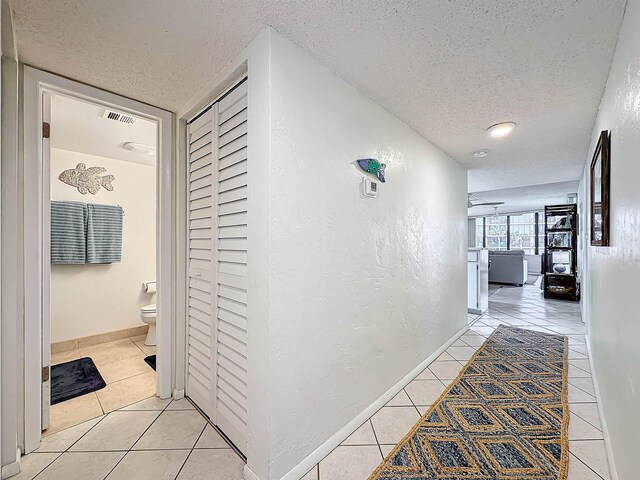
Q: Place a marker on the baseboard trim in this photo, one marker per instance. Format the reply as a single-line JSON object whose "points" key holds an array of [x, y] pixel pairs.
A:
{"points": [[66, 345], [297, 472], [178, 394], [603, 421], [11, 469], [247, 474]]}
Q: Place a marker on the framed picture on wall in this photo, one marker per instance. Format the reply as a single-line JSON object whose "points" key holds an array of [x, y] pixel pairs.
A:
{"points": [[600, 173]]}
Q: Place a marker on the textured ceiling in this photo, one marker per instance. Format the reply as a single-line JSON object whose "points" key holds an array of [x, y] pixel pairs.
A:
{"points": [[79, 127], [448, 69]]}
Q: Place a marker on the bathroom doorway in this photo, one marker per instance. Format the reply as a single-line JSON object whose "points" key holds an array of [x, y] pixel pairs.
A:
{"points": [[102, 308], [97, 244]]}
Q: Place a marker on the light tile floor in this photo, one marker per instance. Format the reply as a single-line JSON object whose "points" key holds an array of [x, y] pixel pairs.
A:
{"points": [[129, 379], [522, 307], [149, 440], [156, 439]]}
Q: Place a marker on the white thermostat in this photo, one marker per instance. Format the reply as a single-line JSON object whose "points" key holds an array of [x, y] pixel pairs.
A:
{"points": [[369, 187]]}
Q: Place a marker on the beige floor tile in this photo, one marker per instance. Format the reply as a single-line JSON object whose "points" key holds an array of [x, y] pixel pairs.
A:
{"points": [[386, 449], [588, 412], [61, 441], [182, 404], [146, 349], [311, 474], [151, 403], [593, 454], [73, 412], [400, 400], [579, 471], [473, 340], [459, 343], [425, 392], [128, 391], [32, 464], [81, 465], [426, 374], [152, 465], [577, 395], [391, 424], [482, 330], [580, 429], [174, 430], [63, 357], [575, 372], [211, 439], [212, 465], [446, 370], [444, 357], [585, 384], [117, 431], [581, 364], [350, 463], [362, 436], [125, 368], [110, 352], [462, 354]]}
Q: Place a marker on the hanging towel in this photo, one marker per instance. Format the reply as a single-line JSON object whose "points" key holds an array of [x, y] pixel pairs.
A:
{"points": [[68, 238], [104, 233]]}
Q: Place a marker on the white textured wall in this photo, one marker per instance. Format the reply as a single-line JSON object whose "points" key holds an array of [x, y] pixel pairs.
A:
{"points": [[361, 290], [92, 299], [612, 274]]}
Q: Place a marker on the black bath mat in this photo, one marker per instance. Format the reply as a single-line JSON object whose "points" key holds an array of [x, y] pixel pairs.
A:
{"points": [[72, 379], [151, 361]]}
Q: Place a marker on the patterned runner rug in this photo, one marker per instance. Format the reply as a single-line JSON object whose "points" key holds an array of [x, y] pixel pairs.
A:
{"points": [[505, 417]]}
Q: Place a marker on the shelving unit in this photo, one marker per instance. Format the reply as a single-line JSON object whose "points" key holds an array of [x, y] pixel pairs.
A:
{"points": [[561, 252]]}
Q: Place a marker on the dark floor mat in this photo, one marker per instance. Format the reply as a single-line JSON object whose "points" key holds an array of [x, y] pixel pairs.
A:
{"points": [[151, 361], [72, 379]]}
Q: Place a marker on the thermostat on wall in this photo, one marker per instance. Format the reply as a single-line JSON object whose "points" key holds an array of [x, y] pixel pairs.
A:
{"points": [[369, 187]]}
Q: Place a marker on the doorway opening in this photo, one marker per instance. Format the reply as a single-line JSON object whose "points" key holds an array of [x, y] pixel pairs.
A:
{"points": [[87, 282], [102, 252]]}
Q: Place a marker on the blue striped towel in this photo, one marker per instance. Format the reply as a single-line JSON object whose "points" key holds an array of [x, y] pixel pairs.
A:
{"points": [[104, 233], [68, 238]]}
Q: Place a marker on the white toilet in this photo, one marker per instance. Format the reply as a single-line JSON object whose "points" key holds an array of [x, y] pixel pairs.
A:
{"points": [[148, 315]]}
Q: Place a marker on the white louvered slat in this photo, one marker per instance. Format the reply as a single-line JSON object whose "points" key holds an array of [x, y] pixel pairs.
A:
{"points": [[217, 263], [231, 273], [201, 385]]}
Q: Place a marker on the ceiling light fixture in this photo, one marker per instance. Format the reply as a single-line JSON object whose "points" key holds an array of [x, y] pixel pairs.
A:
{"points": [[480, 153], [501, 129], [139, 148]]}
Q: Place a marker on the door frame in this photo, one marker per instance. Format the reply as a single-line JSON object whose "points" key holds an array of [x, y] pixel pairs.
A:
{"points": [[37, 83]]}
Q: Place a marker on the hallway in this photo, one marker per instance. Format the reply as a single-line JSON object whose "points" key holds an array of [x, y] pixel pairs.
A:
{"points": [[173, 441], [522, 307]]}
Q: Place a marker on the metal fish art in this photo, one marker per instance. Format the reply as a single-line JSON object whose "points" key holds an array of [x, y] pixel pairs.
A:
{"points": [[371, 165], [87, 180]]}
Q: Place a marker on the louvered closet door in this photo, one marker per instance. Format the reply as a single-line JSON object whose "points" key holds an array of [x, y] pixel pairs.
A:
{"points": [[231, 274], [201, 282], [217, 330]]}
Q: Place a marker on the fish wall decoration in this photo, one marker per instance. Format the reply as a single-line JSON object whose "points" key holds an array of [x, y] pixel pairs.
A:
{"points": [[371, 165], [87, 180]]}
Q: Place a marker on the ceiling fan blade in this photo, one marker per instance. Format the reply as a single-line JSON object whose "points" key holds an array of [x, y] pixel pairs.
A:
{"points": [[486, 204]]}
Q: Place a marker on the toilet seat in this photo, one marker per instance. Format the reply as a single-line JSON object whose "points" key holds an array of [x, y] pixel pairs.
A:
{"points": [[148, 311]]}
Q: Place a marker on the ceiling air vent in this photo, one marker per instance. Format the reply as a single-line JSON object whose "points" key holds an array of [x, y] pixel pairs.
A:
{"points": [[119, 117]]}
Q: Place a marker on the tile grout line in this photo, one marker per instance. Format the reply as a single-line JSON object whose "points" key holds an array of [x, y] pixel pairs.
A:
{"points": [[580, 460], [374, 436]]}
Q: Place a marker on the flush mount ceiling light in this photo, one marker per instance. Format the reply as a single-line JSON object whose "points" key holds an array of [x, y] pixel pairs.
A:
{"points": [[501, 129], [480, 153], [139, 148]]}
